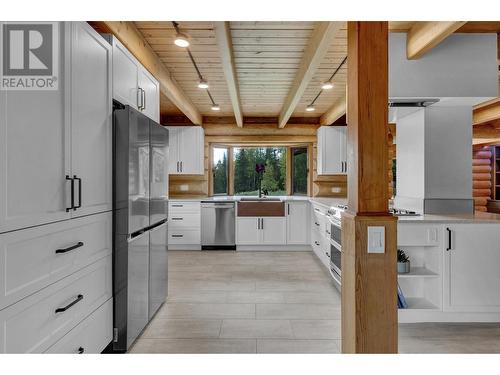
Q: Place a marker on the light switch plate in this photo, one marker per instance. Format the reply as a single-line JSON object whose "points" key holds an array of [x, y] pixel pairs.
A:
{"points": [[376, 240]]}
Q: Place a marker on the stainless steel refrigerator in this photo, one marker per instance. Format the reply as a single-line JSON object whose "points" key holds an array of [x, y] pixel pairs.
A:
{"points": [[140, 222]]}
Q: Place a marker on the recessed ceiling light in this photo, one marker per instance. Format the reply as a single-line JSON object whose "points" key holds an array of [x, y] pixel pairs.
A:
{"points": [[203, 84], [327, 85], [310, 108], [215, 107], [181, 40]]}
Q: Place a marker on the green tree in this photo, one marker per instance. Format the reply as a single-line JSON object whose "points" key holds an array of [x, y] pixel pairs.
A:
{"points": [[269, 183], [241, 169], [220, 176]]}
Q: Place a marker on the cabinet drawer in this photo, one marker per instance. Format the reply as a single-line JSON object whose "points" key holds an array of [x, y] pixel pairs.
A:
{"points": [[184, 221], [91, 336], [184, 237], [184, 207], [30, 260], [33, 325]]}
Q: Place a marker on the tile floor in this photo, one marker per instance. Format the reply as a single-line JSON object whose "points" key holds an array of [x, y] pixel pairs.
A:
{"points": [[274, 302]]}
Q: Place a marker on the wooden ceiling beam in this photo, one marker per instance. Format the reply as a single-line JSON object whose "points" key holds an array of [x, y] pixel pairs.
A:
{"points": [[423, 36], [486, 112], [132, 38], [336, 111], [317, 47], [225, 45]]}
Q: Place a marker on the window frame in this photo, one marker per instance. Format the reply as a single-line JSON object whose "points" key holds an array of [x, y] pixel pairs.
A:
{"points": [[289, 173]]}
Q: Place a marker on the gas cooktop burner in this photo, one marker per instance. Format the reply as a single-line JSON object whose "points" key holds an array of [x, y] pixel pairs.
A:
{"points": [[402, 212]]}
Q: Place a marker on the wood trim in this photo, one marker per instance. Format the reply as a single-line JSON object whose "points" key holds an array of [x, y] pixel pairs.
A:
{"points": [[133, 39], [336, 111], [369, 292], [423, 36], [253, 209], [486, 112], [317, 47], [224, 42]]}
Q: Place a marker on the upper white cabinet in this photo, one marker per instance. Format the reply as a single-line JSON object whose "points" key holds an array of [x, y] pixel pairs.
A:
{"points": [[91, 119], [471, 267], [132, 84], [186, 150], [331, 150], [298, 227], [51, 141]]}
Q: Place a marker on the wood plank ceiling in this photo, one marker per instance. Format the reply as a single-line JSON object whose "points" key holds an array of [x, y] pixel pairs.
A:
{"points": [[267, 56]]}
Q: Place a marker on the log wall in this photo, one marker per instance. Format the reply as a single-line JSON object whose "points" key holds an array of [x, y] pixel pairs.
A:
{"points": [[481, 176]]}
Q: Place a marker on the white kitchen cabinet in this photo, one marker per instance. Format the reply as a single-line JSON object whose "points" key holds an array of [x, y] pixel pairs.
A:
{"points": [[132, 84], [273, 231], [248, 231], [471, 267], [297, 222], [48, 135], [91, 120], [186, 150], [331, 150], [91, 336], [184, 231], [150, 104], [125, 75], [260, 231]]}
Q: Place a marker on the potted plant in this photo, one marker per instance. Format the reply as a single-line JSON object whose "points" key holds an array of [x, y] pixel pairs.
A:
{"points": [[403, 262]]}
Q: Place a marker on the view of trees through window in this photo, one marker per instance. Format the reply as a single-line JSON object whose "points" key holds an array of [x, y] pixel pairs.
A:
{"points": [[220, 170], [246, 179]]}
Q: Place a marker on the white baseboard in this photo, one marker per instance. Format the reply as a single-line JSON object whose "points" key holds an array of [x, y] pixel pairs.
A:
{"points": [[184, 247], [273, 248]]}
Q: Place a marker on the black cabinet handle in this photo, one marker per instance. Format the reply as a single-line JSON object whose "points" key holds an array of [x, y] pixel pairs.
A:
{"points": [[328, 255], [449, 239], [62, 251], [288, 209], [63, 309], [144, 99], [177, 218], [316, 243], [177, 205], [79, 192], [81, 350], [72, 193], [177, 235], [317, 224]]}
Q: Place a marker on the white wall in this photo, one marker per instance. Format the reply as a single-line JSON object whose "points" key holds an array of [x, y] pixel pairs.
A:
{"points": [[462, 66]]}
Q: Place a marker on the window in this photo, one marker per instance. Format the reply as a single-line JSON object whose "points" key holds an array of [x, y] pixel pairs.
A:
{"points": [[299, 170], [246, 178], [220, 170]]}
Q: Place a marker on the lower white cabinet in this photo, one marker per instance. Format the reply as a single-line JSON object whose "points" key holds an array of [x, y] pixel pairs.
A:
{"points": [[472, 267], [91, 336], [260, 231], [184, 231], [34, 258], [35, 323], [297, 223]]}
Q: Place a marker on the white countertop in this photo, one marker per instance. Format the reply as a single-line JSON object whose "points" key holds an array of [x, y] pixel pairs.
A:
{"points": [[478, 217]]}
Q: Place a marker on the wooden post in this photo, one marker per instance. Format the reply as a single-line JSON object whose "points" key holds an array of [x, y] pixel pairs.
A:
{"points": [[369, 280]]}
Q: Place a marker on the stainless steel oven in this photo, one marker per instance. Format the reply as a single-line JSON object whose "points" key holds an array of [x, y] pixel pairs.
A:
{"points": [[334, 218]]}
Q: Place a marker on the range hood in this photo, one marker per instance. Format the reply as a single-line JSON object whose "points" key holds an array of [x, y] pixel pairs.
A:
{"points": [[412, 102]]}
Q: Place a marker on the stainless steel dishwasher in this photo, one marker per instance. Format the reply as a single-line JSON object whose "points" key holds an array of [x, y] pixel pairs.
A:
{"points": [[217, 225]]}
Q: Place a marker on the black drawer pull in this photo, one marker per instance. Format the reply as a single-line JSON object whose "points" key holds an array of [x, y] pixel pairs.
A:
{"points": [[177, 235], [177, 205], [328, 255], [316, 243], [317, 224], [81, 350], [61, 251], [177, 218], [63, 309]]}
